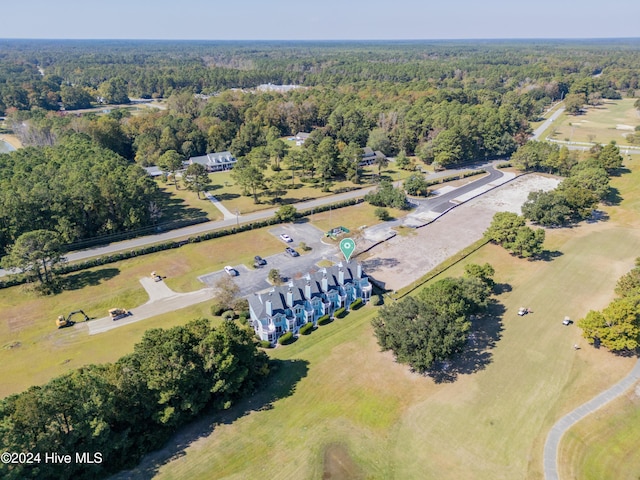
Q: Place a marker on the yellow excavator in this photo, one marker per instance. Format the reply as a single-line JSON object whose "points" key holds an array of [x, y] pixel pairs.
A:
{"points": [[118, 313], [67, 322]]}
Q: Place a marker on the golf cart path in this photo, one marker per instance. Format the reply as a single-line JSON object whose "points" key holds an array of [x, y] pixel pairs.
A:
{"points": [[554, 437]]}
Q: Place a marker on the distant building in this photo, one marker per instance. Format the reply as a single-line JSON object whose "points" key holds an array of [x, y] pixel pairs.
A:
{"points": [[288, 307], [369, 157], [301, 137], [269, 87], [215, 162]]}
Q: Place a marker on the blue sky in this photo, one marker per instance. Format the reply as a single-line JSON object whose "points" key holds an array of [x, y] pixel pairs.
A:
{"points": [[319, 20]]}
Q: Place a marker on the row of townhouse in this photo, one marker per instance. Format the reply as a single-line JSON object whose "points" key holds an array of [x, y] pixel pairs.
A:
{"points": [[287, 308]]}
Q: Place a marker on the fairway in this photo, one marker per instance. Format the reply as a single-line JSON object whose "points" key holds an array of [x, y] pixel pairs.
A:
{"points": [[609, 121]]}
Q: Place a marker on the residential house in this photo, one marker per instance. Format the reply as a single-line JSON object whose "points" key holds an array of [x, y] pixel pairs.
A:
{"points": [[369, 157], [287, 308], [215, 162], [301, 137]]}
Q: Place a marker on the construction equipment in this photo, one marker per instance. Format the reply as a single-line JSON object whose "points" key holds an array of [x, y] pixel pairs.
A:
{"points": [[118, 313], [156, 277], [63, 321]]}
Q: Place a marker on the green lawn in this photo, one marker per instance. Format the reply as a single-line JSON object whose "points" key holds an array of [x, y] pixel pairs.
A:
{"points": [[394, 424], [185, 203], [605, 445], [599, 124]]}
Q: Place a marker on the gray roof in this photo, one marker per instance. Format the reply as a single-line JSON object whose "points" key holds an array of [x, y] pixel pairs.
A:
{"points": [[278, 295], [217, 158]]}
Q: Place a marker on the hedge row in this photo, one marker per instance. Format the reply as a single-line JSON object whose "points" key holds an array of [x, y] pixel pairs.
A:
{"points": [[306, 329], [286, 339], [356, 304], [117, 257], [339, 313], [323, 320]]}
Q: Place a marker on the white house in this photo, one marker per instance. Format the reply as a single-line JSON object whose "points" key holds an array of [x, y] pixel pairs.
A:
{"points": [[215, 162], [288, 307], [301, 137]]}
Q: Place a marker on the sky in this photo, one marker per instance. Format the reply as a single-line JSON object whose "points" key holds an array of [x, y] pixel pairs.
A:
{"points": [[318, 20]]}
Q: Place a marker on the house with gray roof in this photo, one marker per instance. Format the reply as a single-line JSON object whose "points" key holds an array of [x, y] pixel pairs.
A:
{"points": [[301, 137], [215, 162], [288, 307], [369, 157]]}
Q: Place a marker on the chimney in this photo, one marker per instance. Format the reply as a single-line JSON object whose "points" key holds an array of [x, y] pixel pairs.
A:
{"points": [[307, 291], [325, 282], [359, 270], [289, 298], [269, 306], [341, 277]]}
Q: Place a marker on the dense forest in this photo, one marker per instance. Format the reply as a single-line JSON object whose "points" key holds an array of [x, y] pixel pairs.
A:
{"points": [[444, 102]]}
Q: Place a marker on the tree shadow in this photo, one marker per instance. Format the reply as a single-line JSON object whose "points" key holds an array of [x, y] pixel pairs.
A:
{"points": [[548, 255], [617, 172], [281, 383], [499, 288], [485, 332], [227, 196], [86, 278], [597, 216], [613, 197]]}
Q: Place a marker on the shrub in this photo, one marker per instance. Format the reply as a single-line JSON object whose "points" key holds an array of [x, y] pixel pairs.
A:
{"points": [[323, 320], [217, 309], [303, 246], [286, 339], [229, 315], [339, 313], [265, 343], [241, 305], [382, 214], [306, 329], [286, 213], [356, 304]]}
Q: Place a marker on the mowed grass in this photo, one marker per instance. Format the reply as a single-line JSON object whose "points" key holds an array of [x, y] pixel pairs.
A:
{"points": [[489, 423], [182, 203], [605, 445], [599, 123]]}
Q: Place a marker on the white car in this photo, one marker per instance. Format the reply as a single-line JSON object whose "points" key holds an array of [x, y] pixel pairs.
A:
{"points": [[232, 272], [286, 238]]}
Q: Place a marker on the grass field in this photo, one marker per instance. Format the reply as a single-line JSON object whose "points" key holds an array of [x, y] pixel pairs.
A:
{"points": [[605, 445], [185, 203], [490, 422], [609, 121]]}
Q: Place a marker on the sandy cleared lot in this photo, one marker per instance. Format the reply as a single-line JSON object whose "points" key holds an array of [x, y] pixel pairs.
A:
{"points": [[404, 259]]}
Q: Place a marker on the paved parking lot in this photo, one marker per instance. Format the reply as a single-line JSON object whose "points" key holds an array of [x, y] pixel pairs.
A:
{"points": [[252, 280]]}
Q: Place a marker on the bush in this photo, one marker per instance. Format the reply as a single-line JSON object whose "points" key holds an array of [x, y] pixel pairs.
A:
{"points": [[339, 313], [286, 339], [306, 329], [265, 343], [356, 304], [217, 309], [304, 247], [229, 315], [286, 213], [323, 320], [382, 214]]}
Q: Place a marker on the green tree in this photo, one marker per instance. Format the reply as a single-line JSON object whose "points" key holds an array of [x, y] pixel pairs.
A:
{"points": [[197, 178], [381, 162], [274, 276], [416, 185], [386, 195], [75, 97], [610, 156], [629, 284], [382, 214], [36, 253], [528, 242], [249, 176], [114, 91], [402, 161], [286, 213], [574, 102], [504, 228], [617, 327], [379, 140], [170, 162]]}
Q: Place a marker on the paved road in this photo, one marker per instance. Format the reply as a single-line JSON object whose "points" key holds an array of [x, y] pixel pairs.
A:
{"points": [[565, 423], [547, 123]]}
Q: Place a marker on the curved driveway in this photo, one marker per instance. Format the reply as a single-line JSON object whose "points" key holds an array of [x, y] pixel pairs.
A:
{"points": [[565, 423]]}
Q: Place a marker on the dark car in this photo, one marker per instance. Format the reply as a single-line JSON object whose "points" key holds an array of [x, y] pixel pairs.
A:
{"points": [[291, 252], [258, 261]]}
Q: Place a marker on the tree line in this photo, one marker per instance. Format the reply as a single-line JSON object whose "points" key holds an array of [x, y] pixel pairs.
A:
{"points": [[125, 409]]}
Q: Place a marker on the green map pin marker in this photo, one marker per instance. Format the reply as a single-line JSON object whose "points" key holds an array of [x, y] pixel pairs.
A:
{"points": [[347, 246]]}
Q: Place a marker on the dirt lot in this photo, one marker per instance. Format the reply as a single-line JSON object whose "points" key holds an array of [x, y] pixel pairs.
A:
{"points": [[404, 259]]}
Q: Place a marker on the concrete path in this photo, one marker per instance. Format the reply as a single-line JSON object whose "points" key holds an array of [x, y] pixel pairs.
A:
{"points": [[227, 214], [546, 124], [565, 423]]}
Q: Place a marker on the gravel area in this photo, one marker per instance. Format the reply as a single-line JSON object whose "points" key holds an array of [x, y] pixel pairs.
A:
{"points": [[404, 259]]}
